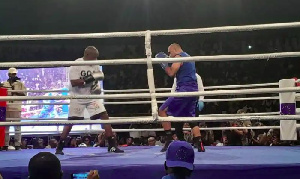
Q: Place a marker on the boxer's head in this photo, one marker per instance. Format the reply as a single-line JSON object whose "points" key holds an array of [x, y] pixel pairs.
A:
{"points": [[174, 49], [91, 53]]}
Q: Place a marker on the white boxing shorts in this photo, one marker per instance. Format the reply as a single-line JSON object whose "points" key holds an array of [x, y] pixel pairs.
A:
{"points": [[93, 107]]}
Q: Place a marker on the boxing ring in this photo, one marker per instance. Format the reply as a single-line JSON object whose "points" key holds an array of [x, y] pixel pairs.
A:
{"points": [[147, 162]]}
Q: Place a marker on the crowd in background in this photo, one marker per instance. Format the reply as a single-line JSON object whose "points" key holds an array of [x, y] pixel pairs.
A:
{"points": [[212, 73], [41, 78]]}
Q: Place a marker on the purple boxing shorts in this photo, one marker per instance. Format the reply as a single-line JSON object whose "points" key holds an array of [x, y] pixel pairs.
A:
{"points": [[182, 106]]}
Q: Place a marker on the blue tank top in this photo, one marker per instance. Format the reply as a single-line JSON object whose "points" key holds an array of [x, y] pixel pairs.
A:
{"points": [[187, 72]]}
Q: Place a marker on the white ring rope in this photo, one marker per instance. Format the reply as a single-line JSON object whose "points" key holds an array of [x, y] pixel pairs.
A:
{"points": [[240, 86], [157, 89], [72, 36], [39, 91], [228, 57], [154, 33], [154, 60], [229, 118], [230, 92], [243, 114], [147, 95], [106, 103], [151, 120], [227, 29], [65, 119], [147, 130], [149, 102], [145, 117], [241, 99]]}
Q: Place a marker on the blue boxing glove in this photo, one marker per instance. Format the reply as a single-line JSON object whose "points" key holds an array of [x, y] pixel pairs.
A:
{"points": [[162, 55], [164, 65], [200, 105]]}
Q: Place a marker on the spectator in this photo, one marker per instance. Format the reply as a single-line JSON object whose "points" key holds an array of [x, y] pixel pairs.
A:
{"points": [[275, 141], [73, 143], [158, 141], [188, 136], [24, 143], [234, 136], [179, 162], [207, 136], [137, 141], [101, 142], [38, 143], [122, 141], [144, 140], [52, 144], [259, 137], [246, 137], [78, 141], [174, 136], [273, 138], [151, 141], [87, 141], [129, 141], [44, 165]]}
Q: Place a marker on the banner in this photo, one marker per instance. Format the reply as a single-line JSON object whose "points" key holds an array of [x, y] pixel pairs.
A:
{"points": [[3, 92]]}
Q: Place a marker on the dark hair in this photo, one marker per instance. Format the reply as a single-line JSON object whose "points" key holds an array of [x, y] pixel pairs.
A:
{"points": [[180, 172], [86, 137], [44, 165]]}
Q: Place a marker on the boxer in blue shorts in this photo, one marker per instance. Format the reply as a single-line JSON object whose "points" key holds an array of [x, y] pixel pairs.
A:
{"points": [[186, 81]]}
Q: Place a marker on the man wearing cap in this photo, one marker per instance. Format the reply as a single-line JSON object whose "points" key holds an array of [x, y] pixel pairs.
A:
{"points": [[179, 162], [44, 165], [13, 109]]}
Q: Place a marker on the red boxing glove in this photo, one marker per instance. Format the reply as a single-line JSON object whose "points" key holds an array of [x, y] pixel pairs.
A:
{"points": [[296, 83]]}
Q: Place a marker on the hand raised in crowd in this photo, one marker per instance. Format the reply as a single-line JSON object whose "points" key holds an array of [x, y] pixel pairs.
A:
{"points": [[93, 175]]}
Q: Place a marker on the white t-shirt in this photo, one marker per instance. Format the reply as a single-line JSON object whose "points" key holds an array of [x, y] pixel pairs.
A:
{"points": [[200, 86], [78, 72]]}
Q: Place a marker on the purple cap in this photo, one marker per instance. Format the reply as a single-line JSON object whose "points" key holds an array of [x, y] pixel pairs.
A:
{"points": [[180, 154]]}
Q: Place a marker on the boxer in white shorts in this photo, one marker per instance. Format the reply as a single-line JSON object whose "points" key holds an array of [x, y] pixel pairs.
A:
{"points": [[84, 81]]}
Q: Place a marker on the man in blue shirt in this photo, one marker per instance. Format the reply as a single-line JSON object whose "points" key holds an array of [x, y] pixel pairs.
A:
{"points": [[186, 81]]}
